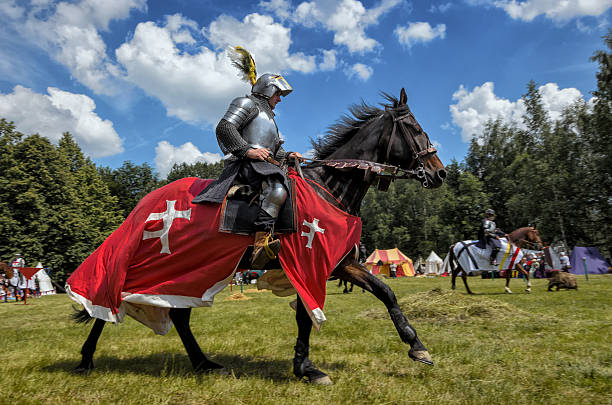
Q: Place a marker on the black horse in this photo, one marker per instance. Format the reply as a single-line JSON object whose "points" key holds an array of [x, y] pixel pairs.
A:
{"points": [[371, 137]]}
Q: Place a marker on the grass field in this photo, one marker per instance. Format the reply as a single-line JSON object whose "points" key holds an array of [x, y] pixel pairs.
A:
{"points": [[491, 348]]}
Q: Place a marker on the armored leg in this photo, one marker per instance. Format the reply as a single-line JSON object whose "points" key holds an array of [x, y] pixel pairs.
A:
{"points": [[494, 253], [266, 247], [496, 245]]}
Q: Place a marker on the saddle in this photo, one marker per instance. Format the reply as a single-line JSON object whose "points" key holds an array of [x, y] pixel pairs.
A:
{"points": [[241, 206]]}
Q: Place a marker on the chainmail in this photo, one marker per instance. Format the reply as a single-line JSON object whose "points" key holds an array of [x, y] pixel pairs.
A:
{"points": [[229, 138]]}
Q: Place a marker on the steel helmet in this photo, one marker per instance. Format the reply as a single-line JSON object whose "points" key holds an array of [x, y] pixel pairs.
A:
{"points": [[490, 212], [270, 83]]}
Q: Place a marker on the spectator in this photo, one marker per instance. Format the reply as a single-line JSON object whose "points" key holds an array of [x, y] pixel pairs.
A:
{"points": [[393, 270], [18, 281], [565, 262]]}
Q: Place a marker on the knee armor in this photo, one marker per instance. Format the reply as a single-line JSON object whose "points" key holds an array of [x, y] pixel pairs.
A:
{"points": [[273, 197]]}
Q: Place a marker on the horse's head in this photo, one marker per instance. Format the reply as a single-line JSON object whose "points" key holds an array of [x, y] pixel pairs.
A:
{"points": [[533, 236], [406, 145]]}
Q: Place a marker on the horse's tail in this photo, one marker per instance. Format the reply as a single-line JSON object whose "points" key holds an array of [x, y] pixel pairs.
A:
{"points": [[81, 316], [451, 257]]}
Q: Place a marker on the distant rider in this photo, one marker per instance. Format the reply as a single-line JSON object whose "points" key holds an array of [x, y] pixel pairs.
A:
{"points": [[565, 262], [489, 234]]}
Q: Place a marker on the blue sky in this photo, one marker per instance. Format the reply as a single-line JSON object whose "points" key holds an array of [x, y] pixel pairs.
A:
{"points": [[147, 81]]}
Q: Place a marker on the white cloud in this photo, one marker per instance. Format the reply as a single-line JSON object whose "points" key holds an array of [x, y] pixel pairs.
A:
{"points": [[329, 60], [69, 33], [363, 72], [10, 9], [167, 155], [281, 8], [347, 19], [197, 87], [58, 112], [474, 109], [267, 41], [440, 8], [419, 32], [553, 9]]}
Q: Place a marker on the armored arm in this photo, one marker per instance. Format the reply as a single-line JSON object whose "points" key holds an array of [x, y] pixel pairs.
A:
{"points": [[240, 112], [489, 228], [280, 154]]}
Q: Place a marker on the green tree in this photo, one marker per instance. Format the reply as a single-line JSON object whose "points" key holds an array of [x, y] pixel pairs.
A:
{"points": [[197, 169], [130, 183]]}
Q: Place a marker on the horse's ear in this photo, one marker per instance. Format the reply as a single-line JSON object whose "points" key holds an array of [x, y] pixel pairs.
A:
{"points": [[403, 97]]}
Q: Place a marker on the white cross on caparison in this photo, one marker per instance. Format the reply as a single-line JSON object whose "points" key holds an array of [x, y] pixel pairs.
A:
{"points": [[314, 228], [168, 217]]}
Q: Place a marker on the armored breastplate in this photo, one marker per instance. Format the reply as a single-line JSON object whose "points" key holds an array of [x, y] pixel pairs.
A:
{"points": [[261, 132]]}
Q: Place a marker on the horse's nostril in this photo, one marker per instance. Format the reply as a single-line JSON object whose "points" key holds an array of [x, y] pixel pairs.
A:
{"points": [[441, 174]]}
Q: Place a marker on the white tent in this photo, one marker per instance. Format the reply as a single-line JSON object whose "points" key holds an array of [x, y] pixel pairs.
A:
{"points": [[44, 281], [433, 264]]}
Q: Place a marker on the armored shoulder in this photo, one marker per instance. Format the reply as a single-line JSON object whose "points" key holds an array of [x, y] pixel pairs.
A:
{"points": [[240, 111]]}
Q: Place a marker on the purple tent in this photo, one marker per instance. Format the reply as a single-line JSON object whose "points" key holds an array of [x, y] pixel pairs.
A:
{"points": [[595, 262]]}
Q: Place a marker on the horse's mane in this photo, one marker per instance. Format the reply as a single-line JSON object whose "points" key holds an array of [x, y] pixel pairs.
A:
{"points": [[347, 126]]}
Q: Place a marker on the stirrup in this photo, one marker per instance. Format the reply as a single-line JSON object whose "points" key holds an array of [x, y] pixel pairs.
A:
{"points": [[266, 246], [265, 252]]}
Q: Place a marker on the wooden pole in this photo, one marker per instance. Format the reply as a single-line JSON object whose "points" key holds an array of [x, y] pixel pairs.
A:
{"points": [[586, 271]]}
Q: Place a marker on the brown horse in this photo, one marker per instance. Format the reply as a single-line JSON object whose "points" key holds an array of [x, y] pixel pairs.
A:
{"points": [[527, 236], [6, 273], [359, 146]]}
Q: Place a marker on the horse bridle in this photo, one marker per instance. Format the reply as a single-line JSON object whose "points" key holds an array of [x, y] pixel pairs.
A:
{"points": [[384, 171], [420, 155]]}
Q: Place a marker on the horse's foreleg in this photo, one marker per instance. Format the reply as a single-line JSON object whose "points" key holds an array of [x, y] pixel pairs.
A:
{"points": [[526, 273], [180, 318], [358, 274], [89, 348], [302, 367], [508, 276]]}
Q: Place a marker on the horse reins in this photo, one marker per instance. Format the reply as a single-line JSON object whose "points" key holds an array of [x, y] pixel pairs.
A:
{"points": [[386, 171]]}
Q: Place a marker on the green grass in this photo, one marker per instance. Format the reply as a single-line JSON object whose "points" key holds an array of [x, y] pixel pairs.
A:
{"points": [[491, 348]]}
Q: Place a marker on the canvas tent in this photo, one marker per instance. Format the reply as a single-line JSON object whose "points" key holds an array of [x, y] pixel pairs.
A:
{"points": [[44, 281], [595, 262], [433, 264], [379, 261]]}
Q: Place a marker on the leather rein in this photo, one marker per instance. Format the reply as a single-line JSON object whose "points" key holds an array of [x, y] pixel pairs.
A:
{"points": [[386, 173]]}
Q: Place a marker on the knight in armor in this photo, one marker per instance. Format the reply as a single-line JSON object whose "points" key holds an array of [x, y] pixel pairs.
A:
{"points": [[489, 234], [248, 133]]}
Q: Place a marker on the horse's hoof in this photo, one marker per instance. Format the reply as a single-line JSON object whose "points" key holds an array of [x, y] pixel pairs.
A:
{"points": [[421, 356], [82, 370], [528, 291], [209, 367], [508, 291], [325, 380]]}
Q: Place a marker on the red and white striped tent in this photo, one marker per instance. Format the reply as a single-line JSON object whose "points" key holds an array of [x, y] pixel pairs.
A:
{"points": [[380, 259]]}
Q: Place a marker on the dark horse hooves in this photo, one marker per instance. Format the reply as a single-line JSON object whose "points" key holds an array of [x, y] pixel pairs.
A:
{"points": [[421, 355], [208, 366], [306, 369], [83, 368]]}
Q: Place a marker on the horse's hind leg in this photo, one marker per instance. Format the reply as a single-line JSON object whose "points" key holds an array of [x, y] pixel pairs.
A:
{"points": [[89, 348], [357, 274], [464, 278], [180, 318], [302, 367]]}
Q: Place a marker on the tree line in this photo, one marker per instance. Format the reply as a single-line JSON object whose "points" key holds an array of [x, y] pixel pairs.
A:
{"points": [[57, 206]]}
